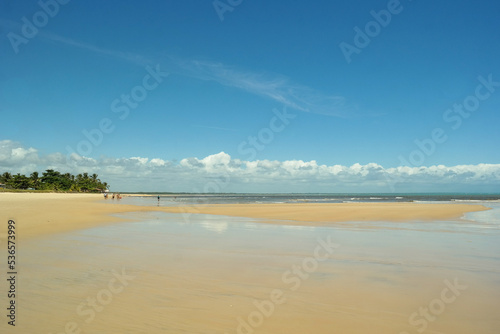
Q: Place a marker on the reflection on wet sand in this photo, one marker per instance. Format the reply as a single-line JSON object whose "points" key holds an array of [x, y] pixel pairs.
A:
{"points": [[218, 274]]}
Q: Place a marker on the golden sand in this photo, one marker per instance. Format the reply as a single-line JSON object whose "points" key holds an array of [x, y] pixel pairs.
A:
{"points": [[324, 213], [184, 282], [47, 213]]}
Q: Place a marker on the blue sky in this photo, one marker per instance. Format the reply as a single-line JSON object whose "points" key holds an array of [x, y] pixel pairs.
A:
{"points": [[229, 79]]}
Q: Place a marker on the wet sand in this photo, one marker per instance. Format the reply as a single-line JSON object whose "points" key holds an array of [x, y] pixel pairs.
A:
{"points": [[49, 213], [324, 213], [46, 213], [156, 272]]}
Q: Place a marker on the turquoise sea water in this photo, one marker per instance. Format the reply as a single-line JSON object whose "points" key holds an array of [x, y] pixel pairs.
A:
{"points": [[190, 199]]}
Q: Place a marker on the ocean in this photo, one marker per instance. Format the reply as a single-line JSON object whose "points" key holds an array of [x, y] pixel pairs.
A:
{"points": [[168, 199]]}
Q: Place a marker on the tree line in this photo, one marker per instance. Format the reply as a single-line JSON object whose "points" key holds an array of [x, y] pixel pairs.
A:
{"points": [[52, 180]]}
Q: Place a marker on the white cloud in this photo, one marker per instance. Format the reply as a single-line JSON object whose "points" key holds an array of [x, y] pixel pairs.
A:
{"points": [[276, 87], [14, 155], [44, 34], [219, 172], [273, 86]]}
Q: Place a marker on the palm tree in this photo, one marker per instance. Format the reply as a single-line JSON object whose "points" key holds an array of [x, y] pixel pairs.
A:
{"points": [[54, 180], [35, 180], [5, 177], [51, 179], [19, 181]]}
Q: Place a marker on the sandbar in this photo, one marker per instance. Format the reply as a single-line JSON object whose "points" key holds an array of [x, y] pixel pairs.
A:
{"points": [[48, 213]]}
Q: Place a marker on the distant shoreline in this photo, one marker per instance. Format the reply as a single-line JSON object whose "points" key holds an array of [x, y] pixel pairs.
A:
{"points": [[493, 196], [49, 213], [239, 198], [34, 191]]}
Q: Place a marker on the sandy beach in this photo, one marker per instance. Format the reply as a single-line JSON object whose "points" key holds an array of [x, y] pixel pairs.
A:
{"points": [[48, 213], [89, 265]]}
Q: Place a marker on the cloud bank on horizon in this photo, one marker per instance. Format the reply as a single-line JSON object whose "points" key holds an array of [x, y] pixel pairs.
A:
{"points": [[221, 173]]}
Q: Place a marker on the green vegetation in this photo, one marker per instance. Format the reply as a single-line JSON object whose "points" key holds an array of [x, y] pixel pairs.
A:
{"points": [[52, 180]]}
